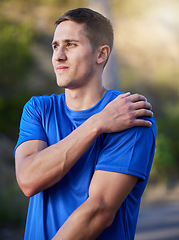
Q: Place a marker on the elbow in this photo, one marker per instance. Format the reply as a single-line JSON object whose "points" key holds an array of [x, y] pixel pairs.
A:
{"points": [[27, 188], [28, 192]]}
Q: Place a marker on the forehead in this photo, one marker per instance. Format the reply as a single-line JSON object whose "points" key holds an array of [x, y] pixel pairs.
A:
{"points": [[69, 30]]}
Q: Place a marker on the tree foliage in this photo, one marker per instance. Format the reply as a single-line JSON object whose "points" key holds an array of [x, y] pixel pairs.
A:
{"points": [[15, 60], [14, 56]]}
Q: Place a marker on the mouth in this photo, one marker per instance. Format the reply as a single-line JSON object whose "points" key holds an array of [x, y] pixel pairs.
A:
{"points": [[61, 68]]}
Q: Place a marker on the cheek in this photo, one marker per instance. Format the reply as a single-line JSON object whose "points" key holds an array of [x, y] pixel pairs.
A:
{"points": [[53, 62], [84, 60]]}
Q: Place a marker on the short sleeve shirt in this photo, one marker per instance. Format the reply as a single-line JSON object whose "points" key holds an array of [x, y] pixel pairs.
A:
{"points": [[48, 118]]}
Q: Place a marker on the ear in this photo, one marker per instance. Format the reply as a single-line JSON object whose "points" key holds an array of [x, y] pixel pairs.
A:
{"points": [[103, 54]]}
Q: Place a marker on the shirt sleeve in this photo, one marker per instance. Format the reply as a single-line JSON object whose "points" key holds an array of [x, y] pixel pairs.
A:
{"points": [[129, 152], [31, 127]]}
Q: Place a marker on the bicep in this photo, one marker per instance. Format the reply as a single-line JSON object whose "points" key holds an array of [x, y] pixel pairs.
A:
{"points": [[27, 149], [111, 187]]}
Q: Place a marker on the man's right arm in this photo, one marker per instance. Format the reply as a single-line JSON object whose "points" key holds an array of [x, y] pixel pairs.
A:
{"points": [[39, 167]]}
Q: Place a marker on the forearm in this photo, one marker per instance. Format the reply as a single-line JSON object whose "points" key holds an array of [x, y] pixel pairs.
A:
{"points": [[107, 192], [87, 222], [43, 169]]}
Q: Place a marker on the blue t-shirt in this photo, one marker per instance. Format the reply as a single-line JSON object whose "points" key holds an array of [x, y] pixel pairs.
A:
{"points": [[131, 152]]}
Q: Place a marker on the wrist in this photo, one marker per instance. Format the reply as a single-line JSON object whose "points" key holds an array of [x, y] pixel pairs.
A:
{"points": [[97, 126]]}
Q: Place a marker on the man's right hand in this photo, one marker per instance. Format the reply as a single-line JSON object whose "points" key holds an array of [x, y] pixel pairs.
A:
{"points": [[124, 112]]}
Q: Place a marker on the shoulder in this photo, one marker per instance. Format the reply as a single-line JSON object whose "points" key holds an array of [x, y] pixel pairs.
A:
{"points": [[129, 152], [45, 99], [135, 141], [112, 94], [142, 136], [109, 96], [43, 103], [135, 135]]}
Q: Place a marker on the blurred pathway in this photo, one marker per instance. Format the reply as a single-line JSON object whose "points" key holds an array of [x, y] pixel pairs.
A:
{"points": [[158, 222]]}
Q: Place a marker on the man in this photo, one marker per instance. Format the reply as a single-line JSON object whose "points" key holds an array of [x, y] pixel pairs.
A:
{"points": [[84, 157]]}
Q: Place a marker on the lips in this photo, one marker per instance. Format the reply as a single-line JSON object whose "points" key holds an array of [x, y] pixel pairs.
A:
{"points": [[61, 68]]}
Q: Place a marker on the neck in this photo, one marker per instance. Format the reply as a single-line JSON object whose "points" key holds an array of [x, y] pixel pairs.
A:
{"points": [[83, 99]]}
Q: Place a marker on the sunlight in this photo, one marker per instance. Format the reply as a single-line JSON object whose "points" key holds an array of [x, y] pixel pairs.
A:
{"points": [[167, 12]]}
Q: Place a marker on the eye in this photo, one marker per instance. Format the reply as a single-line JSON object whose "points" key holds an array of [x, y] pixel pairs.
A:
{"points": [[54, 46], [70, 44]]}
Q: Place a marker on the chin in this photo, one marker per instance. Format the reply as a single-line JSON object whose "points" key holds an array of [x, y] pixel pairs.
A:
{"points": [[63, 85]]}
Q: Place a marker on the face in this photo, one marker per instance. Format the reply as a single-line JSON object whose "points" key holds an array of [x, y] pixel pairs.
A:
{"points": [[74, 60]]}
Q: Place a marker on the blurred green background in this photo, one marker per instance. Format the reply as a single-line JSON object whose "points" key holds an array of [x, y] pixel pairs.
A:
{"points": [[147, 53]]}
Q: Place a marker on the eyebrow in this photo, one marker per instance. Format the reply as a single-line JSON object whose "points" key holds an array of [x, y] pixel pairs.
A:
{"points": [[66, 41]]}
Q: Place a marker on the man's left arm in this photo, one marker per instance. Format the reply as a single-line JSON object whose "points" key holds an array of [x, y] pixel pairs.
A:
{"points": [[107, 192]]}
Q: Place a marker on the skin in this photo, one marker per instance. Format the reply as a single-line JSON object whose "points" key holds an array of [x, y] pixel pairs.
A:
{"points": [[74, 63], [78, 69]]}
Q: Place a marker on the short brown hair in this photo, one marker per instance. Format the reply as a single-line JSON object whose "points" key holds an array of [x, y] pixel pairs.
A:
{"points": [[98, 29]]}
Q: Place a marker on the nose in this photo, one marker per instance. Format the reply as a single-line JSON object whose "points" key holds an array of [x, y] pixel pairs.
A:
{"points": [[59, 54]]}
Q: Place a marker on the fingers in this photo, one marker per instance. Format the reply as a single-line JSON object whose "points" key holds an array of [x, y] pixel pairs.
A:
{"points": [[132, 98], [142, 123], [139, 102], [137, 97], [142, 104], [143, 113], [123, 95]]}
